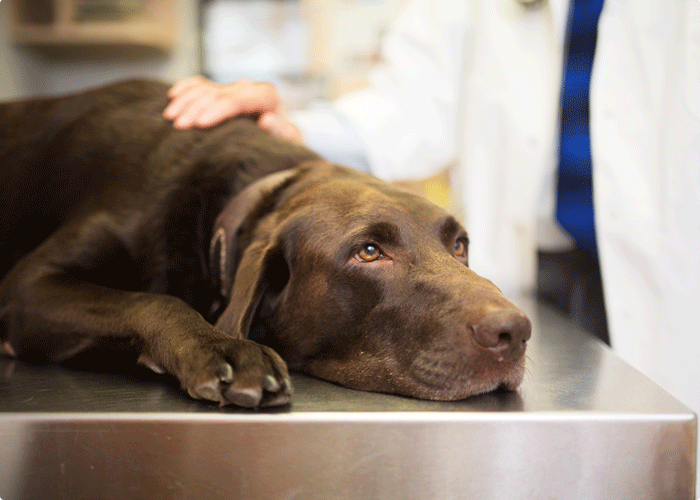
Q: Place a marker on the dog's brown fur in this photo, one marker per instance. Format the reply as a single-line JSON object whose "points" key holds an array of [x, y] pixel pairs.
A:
{"points": [[212, 251]]}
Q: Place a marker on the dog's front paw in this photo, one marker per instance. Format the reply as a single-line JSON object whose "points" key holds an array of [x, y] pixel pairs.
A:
{"points": [[238, 372], [248, 375]]}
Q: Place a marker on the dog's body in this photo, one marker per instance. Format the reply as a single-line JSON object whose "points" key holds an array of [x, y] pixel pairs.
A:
{"points": [[117, 226]]}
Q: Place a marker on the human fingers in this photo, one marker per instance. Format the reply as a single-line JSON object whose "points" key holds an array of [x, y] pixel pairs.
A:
{"points": [[204, 104], [185, 99], [220, 109], [190, 115], [242, 97], [186, 84]]}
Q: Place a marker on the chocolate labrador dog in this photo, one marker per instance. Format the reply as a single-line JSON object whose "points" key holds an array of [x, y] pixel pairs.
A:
{"points": [[225, 256]]}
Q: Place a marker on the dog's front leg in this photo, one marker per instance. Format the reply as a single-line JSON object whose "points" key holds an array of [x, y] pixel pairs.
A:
{"points": [[209, 363], [50, 312]]}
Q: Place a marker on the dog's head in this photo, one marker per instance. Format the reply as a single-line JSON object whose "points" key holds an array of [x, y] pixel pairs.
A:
{"points": [[355, 281]]}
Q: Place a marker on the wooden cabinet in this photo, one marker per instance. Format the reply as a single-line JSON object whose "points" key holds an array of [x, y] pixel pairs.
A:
{"points": [[94, 23]]}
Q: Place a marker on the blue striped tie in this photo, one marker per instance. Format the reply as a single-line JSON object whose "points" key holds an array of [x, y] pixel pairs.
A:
{"points": [[574, 196]]}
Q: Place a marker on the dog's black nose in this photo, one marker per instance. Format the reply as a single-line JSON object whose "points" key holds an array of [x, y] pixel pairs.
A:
{"points": [[503, 332]]}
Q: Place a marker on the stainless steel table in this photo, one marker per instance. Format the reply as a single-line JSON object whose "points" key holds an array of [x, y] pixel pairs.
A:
{"points": [[584, 425]]}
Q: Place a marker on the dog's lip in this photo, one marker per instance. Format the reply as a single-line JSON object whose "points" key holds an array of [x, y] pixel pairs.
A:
{"points": [[508, 380], [447, 381]]}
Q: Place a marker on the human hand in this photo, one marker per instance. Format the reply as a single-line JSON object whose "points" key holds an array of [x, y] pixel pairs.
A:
{"points": [[197, 102]]}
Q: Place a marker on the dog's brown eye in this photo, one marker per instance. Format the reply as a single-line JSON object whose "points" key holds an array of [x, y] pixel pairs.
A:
{"points": [[460, 248], [369, 253]]}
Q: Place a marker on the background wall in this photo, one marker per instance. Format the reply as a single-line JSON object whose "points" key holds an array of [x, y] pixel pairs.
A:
{"points": [[331, 41], [30, 71], [17, 66]]}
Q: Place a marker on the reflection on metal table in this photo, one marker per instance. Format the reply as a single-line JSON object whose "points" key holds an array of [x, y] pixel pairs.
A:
{"points": [[583, 425]]}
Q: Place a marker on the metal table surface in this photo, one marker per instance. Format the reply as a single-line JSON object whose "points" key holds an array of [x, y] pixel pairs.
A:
{"points": [[583, 425]]}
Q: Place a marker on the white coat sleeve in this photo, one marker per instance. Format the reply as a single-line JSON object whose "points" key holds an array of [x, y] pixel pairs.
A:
{"points": [[405, 122], [331, 135]]}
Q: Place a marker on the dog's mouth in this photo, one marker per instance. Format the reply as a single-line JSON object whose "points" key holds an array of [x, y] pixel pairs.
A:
{"points": [[441, 380], [438, 374]]}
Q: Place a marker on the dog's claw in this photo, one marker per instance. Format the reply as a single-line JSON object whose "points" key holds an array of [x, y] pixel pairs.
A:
{"points": [[276, 400], [7, 350], [246, 397], [225, 373], [287, 387], [150, 363], [270, 384], [208, 391]]}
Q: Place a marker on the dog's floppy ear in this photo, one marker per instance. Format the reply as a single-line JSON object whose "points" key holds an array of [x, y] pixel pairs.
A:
{"points": [[257, 263], [261, 277], [224, 247]]}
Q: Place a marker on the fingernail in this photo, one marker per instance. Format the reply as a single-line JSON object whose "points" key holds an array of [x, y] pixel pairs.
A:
{"points": [[181, 123]]}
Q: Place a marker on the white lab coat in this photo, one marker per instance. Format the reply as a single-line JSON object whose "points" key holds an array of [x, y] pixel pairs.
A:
{"points": [[480, 80], [476, 81], [646, 150]]}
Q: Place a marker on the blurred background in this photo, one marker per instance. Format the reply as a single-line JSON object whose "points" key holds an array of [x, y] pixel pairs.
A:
{"points": [[311, 48]]}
